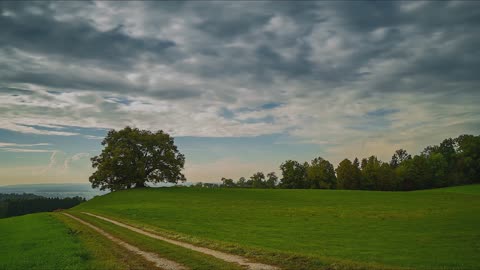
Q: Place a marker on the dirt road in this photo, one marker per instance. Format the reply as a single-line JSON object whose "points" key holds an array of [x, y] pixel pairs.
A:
{"points": [[217, 254], [161, 263]]}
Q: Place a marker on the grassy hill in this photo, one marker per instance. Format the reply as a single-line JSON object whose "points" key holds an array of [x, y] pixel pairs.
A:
{"points": [[52, 241], [313, 228], [294, 229]]}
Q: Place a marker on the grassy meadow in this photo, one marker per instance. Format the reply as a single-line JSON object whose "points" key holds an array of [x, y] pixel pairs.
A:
{"points": [[293, 229], [432, 229], [52, 241], [40, 241]]}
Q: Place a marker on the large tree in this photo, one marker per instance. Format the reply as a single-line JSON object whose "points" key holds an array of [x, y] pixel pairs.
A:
{"points": [[258, 180], [228, 182], [469, 157], [370, 175], [348, 175], [415, 173], [400, 156], [293, 175], [272, 180], [321, 174], [133, 157]]}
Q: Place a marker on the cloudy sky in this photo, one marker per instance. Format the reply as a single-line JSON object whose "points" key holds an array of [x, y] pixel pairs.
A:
{"points": [[242, 86]]}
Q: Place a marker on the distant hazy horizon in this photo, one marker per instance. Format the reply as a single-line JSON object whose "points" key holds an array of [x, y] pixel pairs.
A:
{"points": [[54, 190]]}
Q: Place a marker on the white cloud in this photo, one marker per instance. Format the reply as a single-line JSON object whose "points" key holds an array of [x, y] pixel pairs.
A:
{"points": [[328, 66], [23, 150], [3, 144], [77, 156], [52, 163]]}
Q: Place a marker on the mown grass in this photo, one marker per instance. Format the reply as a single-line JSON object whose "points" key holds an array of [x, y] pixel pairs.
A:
{"points": [[469, 189], [102, 252], [314, 229], [40, 241], [52, 241], [192, 259]]}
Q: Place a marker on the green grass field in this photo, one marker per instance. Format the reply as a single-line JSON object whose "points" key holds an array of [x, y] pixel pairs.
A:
{"points": [[435, 229], [52, 241], [40, 241], [191, 259], [293, 229]]}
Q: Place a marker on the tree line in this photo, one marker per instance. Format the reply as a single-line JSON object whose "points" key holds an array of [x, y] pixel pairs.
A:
{"points": [[452, 162], [131, 158], [21, 204]]}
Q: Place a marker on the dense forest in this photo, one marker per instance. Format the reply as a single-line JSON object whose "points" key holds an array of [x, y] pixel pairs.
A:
{"points": [[452, 162], [21, 204]]}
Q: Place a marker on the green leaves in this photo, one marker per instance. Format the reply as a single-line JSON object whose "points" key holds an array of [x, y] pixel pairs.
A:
{"points": [[133, 157]]}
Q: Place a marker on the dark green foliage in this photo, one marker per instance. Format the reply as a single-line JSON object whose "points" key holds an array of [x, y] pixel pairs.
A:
{"points": [[227, 182], [16, 196], [370, 175], [21, 204], [3, 209], [400, 156], [133, 157], [439, 169], [320, 174], [348, 175], [387, 179], [294, 175], [242, 182], [415, 173], [468, 157], [271, 181], [258, 180], [453, 162]]}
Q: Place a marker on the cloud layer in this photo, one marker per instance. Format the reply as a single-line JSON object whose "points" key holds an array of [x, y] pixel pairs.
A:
{"points": [[358, 78]]}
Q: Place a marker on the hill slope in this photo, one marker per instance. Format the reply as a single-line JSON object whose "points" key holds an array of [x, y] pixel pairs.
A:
{"points": [[313, 228], [54, 241]]}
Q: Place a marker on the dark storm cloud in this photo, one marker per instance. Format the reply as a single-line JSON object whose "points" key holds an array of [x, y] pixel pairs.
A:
{"points": [[210, 26], [69, 81], [40, 33], [233, 53], [270, 60], [227, 26], [15, 91], [428, 43], [179, 93]]}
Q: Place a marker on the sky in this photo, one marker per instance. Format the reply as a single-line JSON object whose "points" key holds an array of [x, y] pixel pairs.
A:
{"points": [[242, 86]]}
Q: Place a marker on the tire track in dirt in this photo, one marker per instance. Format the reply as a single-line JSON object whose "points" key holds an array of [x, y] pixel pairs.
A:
{"points": [[217, 254], [149, 256]]}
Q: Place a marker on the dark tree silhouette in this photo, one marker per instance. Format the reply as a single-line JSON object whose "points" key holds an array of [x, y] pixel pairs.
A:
{"points": [[22, 204], [133, 157]]}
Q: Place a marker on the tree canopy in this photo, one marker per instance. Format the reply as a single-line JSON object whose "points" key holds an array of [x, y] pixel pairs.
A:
{"points": [[348, 175], [133, 157], [22, 204], [294, 174], [452, 162], [320, 174]]}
